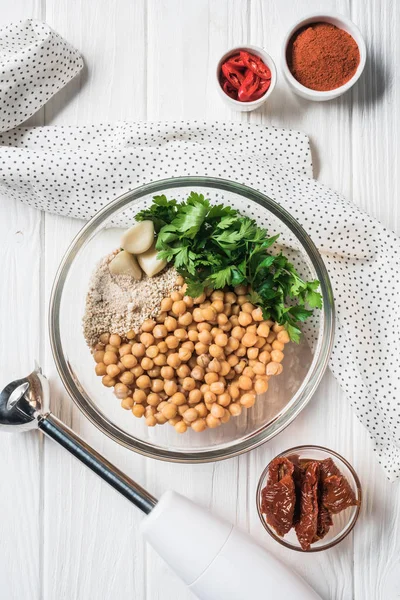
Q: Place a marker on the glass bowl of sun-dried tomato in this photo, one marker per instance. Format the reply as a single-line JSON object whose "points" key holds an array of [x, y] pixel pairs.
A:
{"points": [[309, 498], [246, 77]]}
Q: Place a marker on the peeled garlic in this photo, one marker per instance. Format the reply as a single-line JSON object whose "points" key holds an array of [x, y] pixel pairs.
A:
{"points": [[138, 238], [149, 262], [125, 264]]}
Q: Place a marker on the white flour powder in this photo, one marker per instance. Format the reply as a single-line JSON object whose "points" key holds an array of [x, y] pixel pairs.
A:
{"points": [[118, 303]]}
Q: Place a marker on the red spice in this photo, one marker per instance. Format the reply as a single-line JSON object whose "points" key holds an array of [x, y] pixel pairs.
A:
{"points": [[322, 57]]}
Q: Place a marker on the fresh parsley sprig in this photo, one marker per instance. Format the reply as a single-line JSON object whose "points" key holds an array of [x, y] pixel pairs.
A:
{"points": [[215, 246]]}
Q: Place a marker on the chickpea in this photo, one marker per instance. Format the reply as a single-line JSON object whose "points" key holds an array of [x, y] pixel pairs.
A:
{"points": [[198, 315], [252, 353], [260, 343], [104, 338], [240, 367], [160, 360], [260, 386], [226, 417], [172, 342], [110, 348], [115, 340], [162, 347], [203, 360], [154, 373], [218, 306], [210, 378], [257, 314], [217, 388], [138, 410], [176, 296], [278, 345], [160, 318], [283, 336], [170, 323], [234, 320], [201, 348], [188, 384], [173, 360], [210, 314], [277, 328], [216, 351], [241, 351], [235, 409], [271, 337], [245, 383], [232, 360], [130, 335], [248, 307], [166, 304], [179, 307], [203, 326], [138, 350], [99, 356], [195, 396], [137, 371], [175, 420], [214, 366], [152, 351], [202, 410], [178, 398], [248, 400], [225, 368], [212, 421], [146, 363], [274, 368], [100, 369], [237, 333], [259, 368], [170, 387], [199, 299], [186, 319], [148, 325], [277, 356], [221, 339], [242, 299], [139, 396], [192, 363], [143, 382], [110, 358], [181, 334], [233, 344], [183, 371], [180, 426], [240, 289], [153, 399], [205, 337], [222, 319], [121, 390], [150, 411], [179, 280], [224, 399], [248, 372], [264, 357], [249, 339], [160, 332], [108, 381], [147, 339], [193, 335], [159, 417], [183, 408], [209, 397], [151, 421], [128, 378], [188, 301], [157, 385], [244, 319], [190, 415], [230, 297]]}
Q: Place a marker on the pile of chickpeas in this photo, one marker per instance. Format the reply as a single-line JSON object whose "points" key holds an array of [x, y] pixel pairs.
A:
{"points": [[197, 364]]}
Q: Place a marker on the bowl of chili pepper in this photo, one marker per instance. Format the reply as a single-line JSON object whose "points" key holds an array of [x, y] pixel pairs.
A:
{"points": [[246, 77]]}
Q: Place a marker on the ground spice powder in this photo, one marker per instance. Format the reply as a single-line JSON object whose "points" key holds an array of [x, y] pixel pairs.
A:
{"points": [[323, 57]]}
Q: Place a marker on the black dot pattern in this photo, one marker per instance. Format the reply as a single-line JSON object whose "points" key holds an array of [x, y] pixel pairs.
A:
{"points": [[74, 171], [35, 62]]}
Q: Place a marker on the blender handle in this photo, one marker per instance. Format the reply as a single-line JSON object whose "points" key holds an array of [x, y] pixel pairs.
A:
{"points": [[63, 435]]}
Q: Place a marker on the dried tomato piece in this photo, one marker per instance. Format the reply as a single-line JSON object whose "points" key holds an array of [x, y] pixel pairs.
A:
{"points": [[278, 496], [337, 493], [255, 64], [324, 522], [306, 527], [232, 74]]}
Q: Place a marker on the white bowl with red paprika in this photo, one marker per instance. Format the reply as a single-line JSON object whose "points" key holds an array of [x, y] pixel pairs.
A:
{"points": [[246, 77]]}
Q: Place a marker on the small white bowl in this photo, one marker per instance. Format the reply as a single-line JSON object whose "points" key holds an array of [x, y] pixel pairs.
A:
{"points": [[247, 106], [340, 22]]}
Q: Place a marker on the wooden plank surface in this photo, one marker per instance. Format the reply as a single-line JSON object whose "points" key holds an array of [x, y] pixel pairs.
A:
{"points": [[81, 540]]}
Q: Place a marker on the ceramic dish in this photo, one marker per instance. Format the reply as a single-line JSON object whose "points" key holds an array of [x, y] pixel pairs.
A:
{"points": [[247, 106], [340, 22], [304, 364], [343, 522]]}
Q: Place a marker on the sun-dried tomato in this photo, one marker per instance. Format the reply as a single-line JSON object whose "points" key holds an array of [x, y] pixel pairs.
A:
{"points": [[337, 493], [278, 496], [306, 527]]}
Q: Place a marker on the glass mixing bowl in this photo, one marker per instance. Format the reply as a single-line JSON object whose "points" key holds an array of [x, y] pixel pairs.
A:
{"points": [[304, 364]]}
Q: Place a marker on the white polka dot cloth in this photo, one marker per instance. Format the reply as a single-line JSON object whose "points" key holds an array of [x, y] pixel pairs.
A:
{"points": [[75, 170]]}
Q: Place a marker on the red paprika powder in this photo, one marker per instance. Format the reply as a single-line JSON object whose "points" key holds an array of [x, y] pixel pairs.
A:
{"points": [[322, 57]]}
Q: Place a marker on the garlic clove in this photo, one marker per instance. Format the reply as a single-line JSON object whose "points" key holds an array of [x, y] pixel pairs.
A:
{"points": [[138, 238], [149, 262], [125, 264]]}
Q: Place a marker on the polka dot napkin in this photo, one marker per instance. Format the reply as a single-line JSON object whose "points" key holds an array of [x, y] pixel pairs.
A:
{"points": [[75, 170]]}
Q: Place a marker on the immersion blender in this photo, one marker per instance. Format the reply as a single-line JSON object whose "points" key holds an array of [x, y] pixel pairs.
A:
{"points": [[213, 558]]}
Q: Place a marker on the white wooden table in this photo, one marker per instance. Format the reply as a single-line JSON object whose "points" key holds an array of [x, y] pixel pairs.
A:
{"points": [[64, 535]]}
